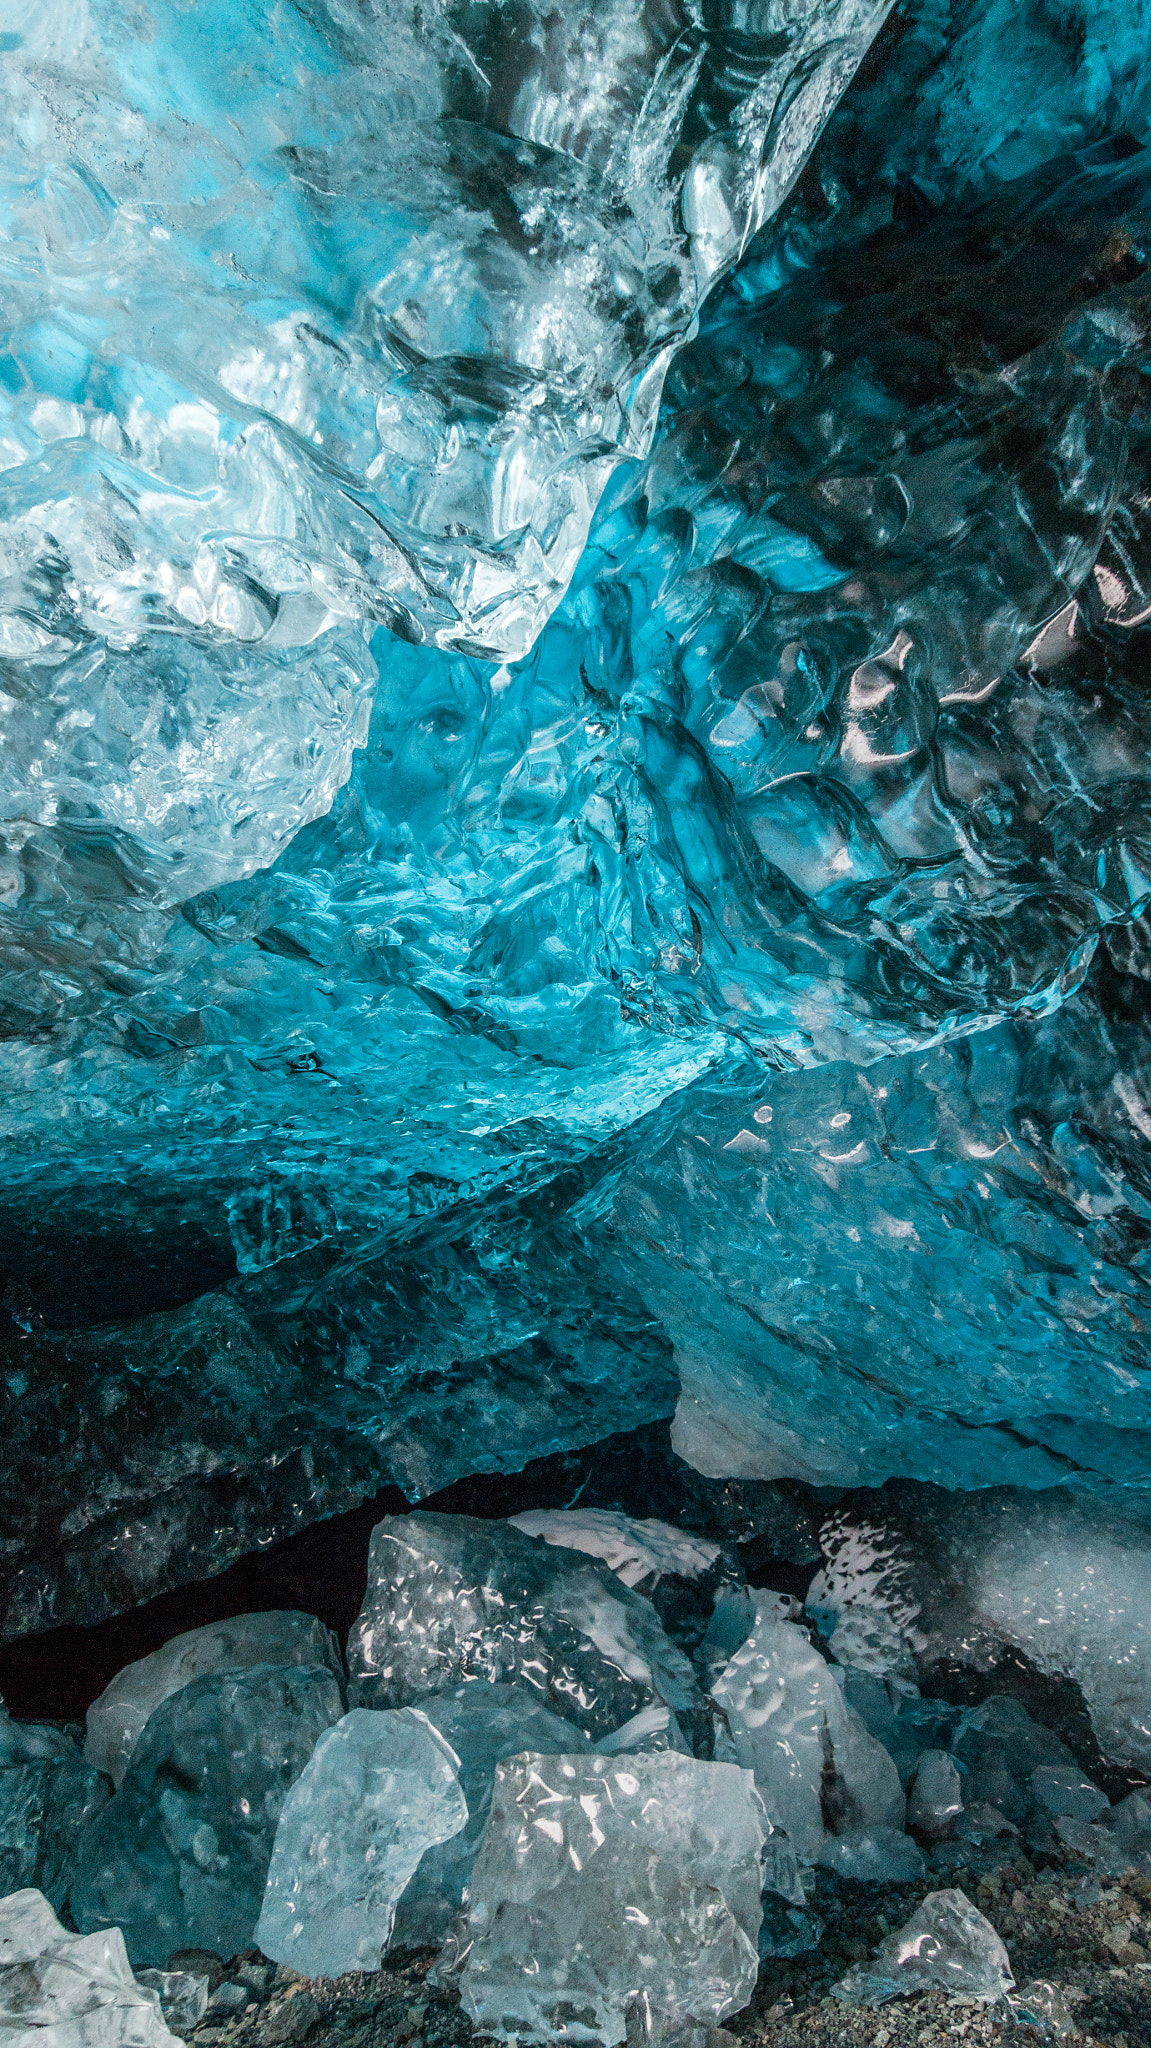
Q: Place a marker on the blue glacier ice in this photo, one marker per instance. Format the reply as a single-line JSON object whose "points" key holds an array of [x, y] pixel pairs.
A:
{"points": [[573, 788]]}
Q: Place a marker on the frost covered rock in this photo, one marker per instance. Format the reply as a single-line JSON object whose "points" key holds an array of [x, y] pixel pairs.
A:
{"points": [[48, 1794], [873, 1856], [180, 1856], [598, 1881], [947, 1945], [117, 1719], [68, 1990], [792, 1727], [378, 1790], [450, 1598], [482, 1724]]}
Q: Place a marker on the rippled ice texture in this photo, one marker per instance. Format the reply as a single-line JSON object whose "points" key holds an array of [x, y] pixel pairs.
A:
{"points": [[420, 1025]]}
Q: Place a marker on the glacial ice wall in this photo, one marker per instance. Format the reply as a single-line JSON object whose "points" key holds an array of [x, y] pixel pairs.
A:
{"points": [[517, 917]]}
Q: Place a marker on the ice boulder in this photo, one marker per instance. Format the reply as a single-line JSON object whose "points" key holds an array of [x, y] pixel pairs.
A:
{"points": [[810, 1752], [47, 1795], [379, 1790], [694, 1584], [451, 1598], [947, 1945], [117, 1719], [179, 1857], [62, 1990], [599, 1880], [483, 1724]]}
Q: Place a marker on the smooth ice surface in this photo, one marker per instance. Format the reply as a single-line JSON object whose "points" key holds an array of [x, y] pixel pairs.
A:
{"points": [[639, 1553], [792, 1727], [183, 1996], [117, 1719], [947, 1945], [873, 1856], [597, 1880], [451, 1598], [62, 1990], [378, 1790], [483, 1724], [180, 1856], [48, 1794]]}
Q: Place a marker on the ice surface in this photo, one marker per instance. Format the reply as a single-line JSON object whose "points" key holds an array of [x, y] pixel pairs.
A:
{"points": [[47, 1795], [180, 1856], [62, 1990], [117, 1719], [482, 1724], [696, 1587], [1063, 1789], [378, 1790], [452, 1598], [946, 1945], [792, 1727], [599, 1880]]}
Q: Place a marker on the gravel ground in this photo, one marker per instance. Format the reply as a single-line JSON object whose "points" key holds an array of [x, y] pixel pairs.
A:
{"points": [[1092, 1941]]}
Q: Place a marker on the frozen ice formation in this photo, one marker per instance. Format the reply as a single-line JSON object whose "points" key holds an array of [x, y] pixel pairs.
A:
{"points": [[444, 261], [946, 1945], [935, 1795], [180, 1856], [691, 1581], [966, 1576], [378, 1791], [117, 1719], [183, 1996], [598, 1880], [873, 1856], [482, 1724], [48, 1794], [810, 1752], [451, 1598], [76, 1991]]}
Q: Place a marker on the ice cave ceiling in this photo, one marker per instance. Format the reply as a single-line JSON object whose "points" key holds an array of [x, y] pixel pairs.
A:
{"points": [[574, 767]]}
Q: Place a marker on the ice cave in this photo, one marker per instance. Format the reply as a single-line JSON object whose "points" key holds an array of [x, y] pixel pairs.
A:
{"points": [[575, 1023]]}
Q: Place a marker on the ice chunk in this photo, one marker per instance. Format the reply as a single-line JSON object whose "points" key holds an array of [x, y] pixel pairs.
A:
{"points": [[68, 1990], [482, 1724], [599, 1880], [697, 1590], [787, 1930], [47, 1796], [1131, 1821], [792, 1727], [180, 1856], [935, 1795], [451, 1598], [947, 1945], [379, 1790], [1041, 2004], [117, 1719], [183, 1996], [1063, 1789], [874, 1856]]}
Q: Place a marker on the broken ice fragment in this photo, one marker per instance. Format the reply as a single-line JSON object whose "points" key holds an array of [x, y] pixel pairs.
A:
{"points": [[379, 1789], [482, 1724], [1062, 1788], [183, 1997], [874, 1856], [689, 1579], [47, 1795], [179, 1857], [599, 1880], [450, 1598], [792, 1727], [117, 1719], [935, 1795], [1041, 2005], [947, 1945], [62, 1990]]}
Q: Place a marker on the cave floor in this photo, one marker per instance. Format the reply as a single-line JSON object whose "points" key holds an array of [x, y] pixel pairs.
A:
{"points": [[1097, 1956]]}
